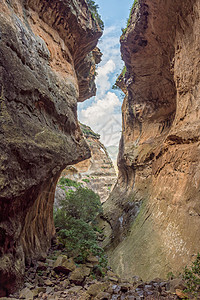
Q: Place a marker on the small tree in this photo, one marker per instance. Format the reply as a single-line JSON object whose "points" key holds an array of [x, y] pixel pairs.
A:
{"points": [[192, 276], [82, 204], [75, 224]]}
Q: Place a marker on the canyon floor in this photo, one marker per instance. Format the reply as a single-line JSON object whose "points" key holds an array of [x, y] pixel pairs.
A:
{"points": [[58, 278]]}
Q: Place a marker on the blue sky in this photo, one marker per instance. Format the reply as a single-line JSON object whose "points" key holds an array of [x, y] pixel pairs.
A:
{"points": [[103, 112]]}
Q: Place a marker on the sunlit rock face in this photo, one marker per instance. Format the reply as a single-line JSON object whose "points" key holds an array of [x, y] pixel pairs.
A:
{"points": [[154, 212], [42, 46], [97, 172]]}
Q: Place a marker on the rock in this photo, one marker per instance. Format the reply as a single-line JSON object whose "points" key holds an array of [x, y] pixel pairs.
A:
{"points": [[176, 283], [103, 296], [92, 259], [26, 294], [115, 289], [48, 282], [181, 294], [28, 285], [50, 262], [38, 290], [49, 290], [125, 287], [65, 283], [39, 280], [41, 266], [85, 296], [79, 274], [75, 289], [112, 276], [7, 298], [89, 265], [136, 280], [156, 199], [47, 65], [64, 265], [96, 288], [44, 296]]}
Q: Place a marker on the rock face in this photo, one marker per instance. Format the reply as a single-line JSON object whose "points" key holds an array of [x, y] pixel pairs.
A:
{"points": [[96, 172], [46, 66], [154, 212]]}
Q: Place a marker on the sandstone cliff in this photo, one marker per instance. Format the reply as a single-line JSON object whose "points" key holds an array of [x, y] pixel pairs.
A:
{"points": [[96, 172], [154, 212], [46, 66]]}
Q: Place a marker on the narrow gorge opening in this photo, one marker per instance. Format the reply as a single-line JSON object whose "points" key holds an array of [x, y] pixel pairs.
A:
{"points": [[148, 226]]}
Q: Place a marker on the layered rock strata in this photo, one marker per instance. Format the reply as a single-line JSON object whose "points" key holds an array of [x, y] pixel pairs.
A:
{"points": [[46, 66], [97, 172], [153, 215]]}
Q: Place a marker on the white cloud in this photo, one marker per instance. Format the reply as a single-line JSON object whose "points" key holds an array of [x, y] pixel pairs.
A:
{"points": [[103, 118], [102, 81], [109, 30]]}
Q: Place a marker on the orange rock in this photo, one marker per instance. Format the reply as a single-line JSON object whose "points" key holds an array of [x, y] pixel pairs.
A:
{"points": [[181, 294]]}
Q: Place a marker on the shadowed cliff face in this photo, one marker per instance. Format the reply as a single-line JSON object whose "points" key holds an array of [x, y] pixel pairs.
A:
{"points": [[46, 66], [154, 212]]}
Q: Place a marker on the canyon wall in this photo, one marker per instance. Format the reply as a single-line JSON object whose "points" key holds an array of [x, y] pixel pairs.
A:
{"points": [[47, 64], [153, 215], [97, 172]]}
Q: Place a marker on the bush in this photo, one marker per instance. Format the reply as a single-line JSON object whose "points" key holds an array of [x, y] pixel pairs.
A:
{"points": [[86, 180], [75, 222], [68, 182], [82, 204], [192, 276]]}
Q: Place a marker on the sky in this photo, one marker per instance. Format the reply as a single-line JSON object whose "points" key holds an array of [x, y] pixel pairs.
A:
{"points": [[103, 112]]}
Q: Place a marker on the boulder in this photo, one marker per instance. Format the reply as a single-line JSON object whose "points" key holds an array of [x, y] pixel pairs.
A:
{"points": [[96, 288], [64, 265], [103, 296], [26, 294], [79, 274]]}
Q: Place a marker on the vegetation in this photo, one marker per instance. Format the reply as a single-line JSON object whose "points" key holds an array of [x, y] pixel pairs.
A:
{"points": [[94, 11], [88, 131], [170, 276], [68, 182], [76, 228], [119, 79], [191, 276], [86, 180], [135, 4]]}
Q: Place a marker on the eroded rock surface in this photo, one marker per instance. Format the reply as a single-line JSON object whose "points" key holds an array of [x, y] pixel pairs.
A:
{"points": [[97, 172], [46, 66], [154, 212]]}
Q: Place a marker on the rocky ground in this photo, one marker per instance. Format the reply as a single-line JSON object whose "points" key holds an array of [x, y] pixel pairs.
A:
{"points": [[59, 277]]}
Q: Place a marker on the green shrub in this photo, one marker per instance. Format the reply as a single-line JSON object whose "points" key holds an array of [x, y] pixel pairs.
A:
{"points": [[191, 276], [75, 223], [86, 180], [68, 182], [87, 131], [82, 204]]}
